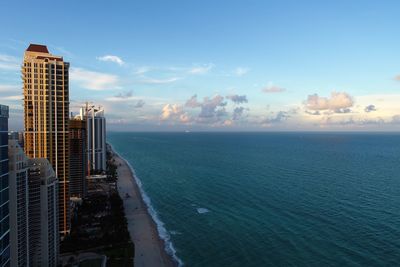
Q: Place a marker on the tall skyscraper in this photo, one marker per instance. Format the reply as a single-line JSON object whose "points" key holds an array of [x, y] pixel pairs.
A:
{"points": [[96, 132], [43, 213], [78, 161], [4, 194], [19, 201], [46, 117]]}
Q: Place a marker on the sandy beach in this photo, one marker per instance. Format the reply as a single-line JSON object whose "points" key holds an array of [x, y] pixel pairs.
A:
{"points": [[149, 248]]}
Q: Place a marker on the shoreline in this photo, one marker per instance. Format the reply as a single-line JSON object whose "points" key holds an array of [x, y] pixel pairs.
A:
{"points": [[150, 248]]}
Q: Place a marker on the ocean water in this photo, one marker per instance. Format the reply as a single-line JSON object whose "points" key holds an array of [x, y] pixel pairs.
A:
{"points": [[272, 199]]}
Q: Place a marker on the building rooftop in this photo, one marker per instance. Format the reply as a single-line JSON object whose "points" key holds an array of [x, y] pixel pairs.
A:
{"points": [[37, 48], [38, 51]]}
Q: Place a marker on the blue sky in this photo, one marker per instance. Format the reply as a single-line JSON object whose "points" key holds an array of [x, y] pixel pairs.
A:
{"points": [[216, 65]]}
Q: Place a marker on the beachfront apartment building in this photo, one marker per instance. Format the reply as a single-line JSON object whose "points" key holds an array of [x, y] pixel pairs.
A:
{"points": [[96, 137], [46, 117], [44, 236], [19, 203], [4, 189]]}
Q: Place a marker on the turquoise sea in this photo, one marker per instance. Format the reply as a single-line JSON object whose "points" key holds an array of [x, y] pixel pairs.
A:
{"points": [[272, 199]]}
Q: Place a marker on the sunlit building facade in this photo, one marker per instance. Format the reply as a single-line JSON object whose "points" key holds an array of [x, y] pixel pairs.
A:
{"points": [[46, 117]]}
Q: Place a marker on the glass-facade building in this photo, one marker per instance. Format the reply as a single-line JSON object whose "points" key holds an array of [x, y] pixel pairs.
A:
{"points": [[18, 188], [96, 137], [4, 193]]}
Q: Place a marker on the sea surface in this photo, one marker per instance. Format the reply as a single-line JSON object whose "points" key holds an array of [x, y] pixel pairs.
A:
{"points": [[272, 199]]}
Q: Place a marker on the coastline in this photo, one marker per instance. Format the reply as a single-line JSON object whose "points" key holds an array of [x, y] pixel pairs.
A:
{"points": [[149, 246]]}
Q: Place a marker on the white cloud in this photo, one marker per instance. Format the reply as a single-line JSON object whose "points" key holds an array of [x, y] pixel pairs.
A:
{"points": [[184, 118], [9, 62], [122, 97], [124, 94], [142, 70], [201, 69], [62, 51], [370, 108], [174, 112], [339, 102], [353, 121], [211, 109], [238, 113], [237, 99], [94, 80], [228, 123], [111, 58], [170, 110], [279, 117], [388, 104], [361, 115], [12, 97], [160, 81], [119, 99], [139, 104], [240, 71], [192, 102], [273, 89], [9, 88], [215, 110], [396, 119]]}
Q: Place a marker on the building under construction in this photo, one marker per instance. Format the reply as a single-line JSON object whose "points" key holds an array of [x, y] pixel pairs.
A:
{"points": [[78, 161]]}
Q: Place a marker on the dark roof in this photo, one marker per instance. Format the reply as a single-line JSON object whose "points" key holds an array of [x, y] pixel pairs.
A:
{"points": [[37, 48], [49, 57]]}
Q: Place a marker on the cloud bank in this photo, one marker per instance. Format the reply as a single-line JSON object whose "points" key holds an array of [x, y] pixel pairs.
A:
{"points": [[338, 102]]}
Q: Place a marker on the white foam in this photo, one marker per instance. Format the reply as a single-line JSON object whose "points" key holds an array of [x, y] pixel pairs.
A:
{"points": [[162, 232], [202, 210], [175, 233]]}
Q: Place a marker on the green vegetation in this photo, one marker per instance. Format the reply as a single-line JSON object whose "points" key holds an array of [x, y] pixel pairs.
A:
{"points": [[120, 256], [112, 175], [99, 221], [99, 224]]}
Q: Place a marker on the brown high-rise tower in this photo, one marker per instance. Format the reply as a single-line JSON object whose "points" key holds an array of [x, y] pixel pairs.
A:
{"points": [[46, 117], [77, 161]]}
